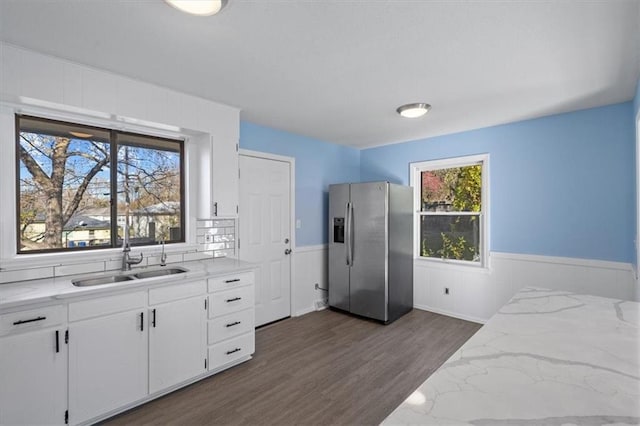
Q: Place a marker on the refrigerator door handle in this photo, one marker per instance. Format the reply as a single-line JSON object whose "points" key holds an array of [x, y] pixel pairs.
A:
{"points": [[351, 233], [347, 232]]}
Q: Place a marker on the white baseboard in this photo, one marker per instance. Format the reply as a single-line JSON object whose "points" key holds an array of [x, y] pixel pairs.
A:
{"points": [[304, 311], [450, 314]]}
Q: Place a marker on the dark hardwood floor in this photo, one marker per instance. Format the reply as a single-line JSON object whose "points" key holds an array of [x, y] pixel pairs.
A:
{"points": [[319, 369]]}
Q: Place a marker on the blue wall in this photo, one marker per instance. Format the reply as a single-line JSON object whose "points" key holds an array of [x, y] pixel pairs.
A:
{"points": [[318, 164], [561, 185]]}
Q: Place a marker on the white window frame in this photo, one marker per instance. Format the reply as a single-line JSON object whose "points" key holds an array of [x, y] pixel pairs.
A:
{"points": [[415, 171]]}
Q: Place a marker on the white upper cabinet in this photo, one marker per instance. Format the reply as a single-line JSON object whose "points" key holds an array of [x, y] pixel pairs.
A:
{"points": [[224, 176]]}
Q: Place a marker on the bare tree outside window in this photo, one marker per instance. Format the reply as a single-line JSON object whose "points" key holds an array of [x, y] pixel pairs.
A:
{"points": [[66, 187]]}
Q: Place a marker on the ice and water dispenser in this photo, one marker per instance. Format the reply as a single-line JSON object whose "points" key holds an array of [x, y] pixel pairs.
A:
{"points": [[338, 230]]}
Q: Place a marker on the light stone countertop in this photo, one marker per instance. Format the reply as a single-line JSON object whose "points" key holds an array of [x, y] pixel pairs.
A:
{"points": [[546, 358], [24, 293]]}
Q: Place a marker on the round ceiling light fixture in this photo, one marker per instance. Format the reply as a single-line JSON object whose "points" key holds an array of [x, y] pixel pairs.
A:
{"points": [[413, 110], [198, 7], [81, 135]]}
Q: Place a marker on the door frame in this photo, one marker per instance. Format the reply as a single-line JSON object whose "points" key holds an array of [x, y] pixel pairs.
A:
{"points": [[292, 213]]}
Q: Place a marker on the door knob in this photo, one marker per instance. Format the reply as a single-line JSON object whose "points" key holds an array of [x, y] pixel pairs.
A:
{"points": [[286, 241], [287, 251]]}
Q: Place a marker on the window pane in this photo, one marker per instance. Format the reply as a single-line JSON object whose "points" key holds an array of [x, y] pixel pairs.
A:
{"points": [[450, 237], [64, 186], [149, 191], [452, 189]]}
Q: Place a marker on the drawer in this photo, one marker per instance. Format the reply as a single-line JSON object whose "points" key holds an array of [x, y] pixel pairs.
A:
{"points": [[230, 350], [176, 292], [228, 301], [231, 281], [107, 305], [32, 319], [232, 325]]}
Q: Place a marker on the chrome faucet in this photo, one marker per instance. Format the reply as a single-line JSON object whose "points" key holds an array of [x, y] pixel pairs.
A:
{"points": [[163, 256], [126, 260]]}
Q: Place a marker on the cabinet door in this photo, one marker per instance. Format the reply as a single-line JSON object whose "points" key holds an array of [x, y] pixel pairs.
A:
{"points": [[107, 364], [224, 175], [33, 378], [176, 342]]}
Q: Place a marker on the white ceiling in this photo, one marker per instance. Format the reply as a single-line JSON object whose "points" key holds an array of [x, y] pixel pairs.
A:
{"points": [[337, 70]]}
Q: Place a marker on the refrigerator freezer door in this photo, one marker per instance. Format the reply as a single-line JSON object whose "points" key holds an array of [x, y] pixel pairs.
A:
{"points": [[369, 231], [338, 268]]}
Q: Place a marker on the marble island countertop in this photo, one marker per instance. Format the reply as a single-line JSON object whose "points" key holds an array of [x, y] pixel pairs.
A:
{"points": [[22, 293], [546, 358]]}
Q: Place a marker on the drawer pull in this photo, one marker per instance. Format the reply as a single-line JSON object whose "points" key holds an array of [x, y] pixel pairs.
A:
{"points": [[29, 320], [233, 323], [234, 299], [233, 351], [235, 280]]}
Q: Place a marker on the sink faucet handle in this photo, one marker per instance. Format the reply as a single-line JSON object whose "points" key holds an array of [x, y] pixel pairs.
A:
{"points": [[163, 256]]}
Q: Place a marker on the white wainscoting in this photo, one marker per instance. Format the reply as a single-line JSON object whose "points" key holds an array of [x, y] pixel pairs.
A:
{"points": [[476, 294], [310, 267]]}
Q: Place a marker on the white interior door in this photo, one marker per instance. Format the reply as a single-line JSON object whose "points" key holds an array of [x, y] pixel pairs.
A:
{"points": [[265, 226]]}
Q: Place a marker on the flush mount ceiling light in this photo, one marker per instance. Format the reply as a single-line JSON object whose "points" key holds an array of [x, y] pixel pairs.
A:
{"points": [[81, 135], [413, 110], [198, 7]]}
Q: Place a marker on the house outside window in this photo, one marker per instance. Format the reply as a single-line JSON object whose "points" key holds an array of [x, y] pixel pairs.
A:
{"points": [[81, 187], [451, 209]]}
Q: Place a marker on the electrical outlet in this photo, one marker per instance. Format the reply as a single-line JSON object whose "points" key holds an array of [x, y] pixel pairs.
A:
{"points": [[446, 290]]}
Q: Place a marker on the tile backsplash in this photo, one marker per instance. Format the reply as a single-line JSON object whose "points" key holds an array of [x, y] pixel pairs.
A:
{"points": [[214, 238], [217, 236]]}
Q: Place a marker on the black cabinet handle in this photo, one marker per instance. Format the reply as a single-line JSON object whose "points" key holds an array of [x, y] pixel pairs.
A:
{"points": [[233, 351], [235, 280], [57, 341], [234, 299], [29, 320], [233, 323], [153, 319], [141, 321]]}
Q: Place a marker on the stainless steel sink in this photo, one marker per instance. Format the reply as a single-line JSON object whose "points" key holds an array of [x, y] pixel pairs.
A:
{"points": [[90, 281], [159, 273], [86, 282]]}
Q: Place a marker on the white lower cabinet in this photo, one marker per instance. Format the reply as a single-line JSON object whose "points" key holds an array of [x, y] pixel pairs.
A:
{"points": [[177, 348], [33, 378], [89, 358], [231, 350], [230, 335], [107, 364]]}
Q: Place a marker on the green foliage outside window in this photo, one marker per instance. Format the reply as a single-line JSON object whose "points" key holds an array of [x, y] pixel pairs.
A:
{"points": [[451, 190]]}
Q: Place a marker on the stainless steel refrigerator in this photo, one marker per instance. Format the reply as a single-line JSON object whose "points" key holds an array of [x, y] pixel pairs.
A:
{"points": [[371, 249]]}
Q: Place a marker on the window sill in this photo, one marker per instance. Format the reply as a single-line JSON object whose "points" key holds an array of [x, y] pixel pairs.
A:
{"points": [[453, 265]]}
